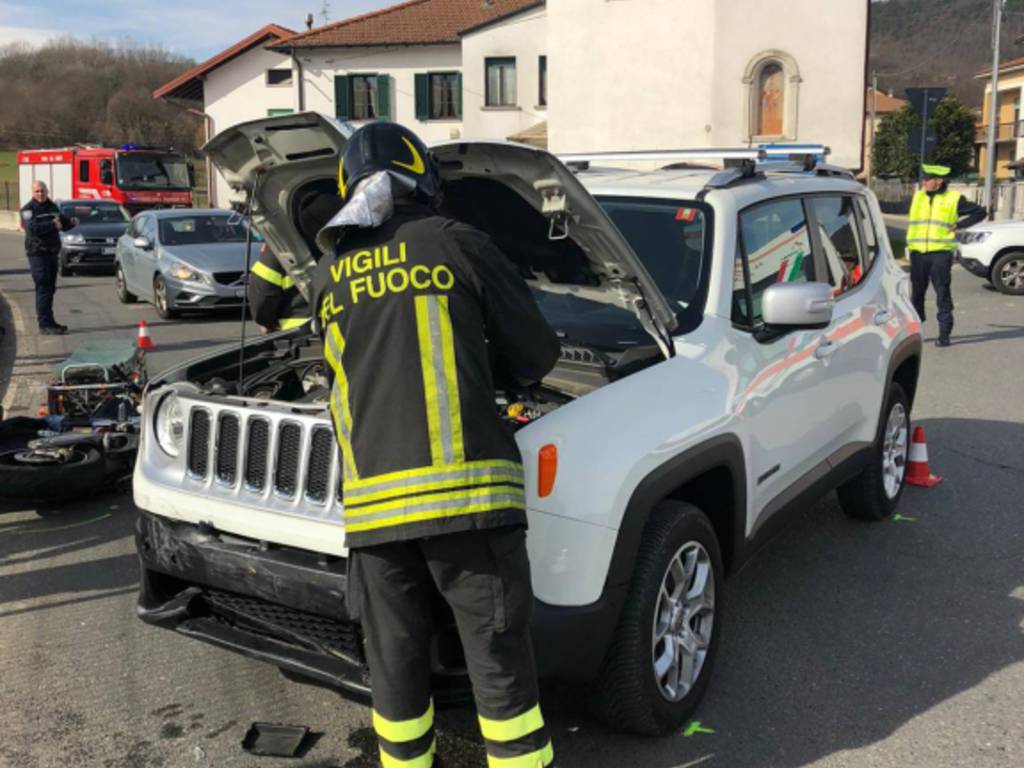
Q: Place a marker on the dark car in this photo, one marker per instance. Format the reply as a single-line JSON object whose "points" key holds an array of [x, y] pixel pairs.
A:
{"points": [[91, 245]]}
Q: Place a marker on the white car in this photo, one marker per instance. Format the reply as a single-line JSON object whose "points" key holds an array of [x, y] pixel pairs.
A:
{"points": [[735, 344], [994, 250]]}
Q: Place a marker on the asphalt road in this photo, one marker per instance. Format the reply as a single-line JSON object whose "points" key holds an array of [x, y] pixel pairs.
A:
{"points": [[845, 644]]}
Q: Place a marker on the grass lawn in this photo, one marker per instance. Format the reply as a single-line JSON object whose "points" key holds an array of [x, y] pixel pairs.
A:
{"points": [[8, 179]]}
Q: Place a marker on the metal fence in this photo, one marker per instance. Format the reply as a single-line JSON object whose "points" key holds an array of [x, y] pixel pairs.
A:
{"points": [[894, 196], [9, 196]]}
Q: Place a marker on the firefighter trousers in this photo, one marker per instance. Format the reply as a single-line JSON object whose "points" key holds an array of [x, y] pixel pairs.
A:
{"points": [[484, 575]]}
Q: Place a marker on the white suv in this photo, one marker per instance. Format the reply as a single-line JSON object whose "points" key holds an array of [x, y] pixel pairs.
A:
{"points": [[736, 342], [994, 250]]}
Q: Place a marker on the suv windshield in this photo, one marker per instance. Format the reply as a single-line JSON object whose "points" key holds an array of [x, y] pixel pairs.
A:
{"points": [[139, 170], [672, 239], [95, 213], [197, 230]]}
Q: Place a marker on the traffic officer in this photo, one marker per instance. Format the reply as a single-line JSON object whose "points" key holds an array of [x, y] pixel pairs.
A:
{"points": [[414, 309], [935, 214], [276, 303], [43, 222]]}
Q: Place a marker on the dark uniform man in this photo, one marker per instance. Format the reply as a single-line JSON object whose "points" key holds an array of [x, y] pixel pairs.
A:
{"points": [[935, 214], [275, 301], [43, 222], [413, 311]]}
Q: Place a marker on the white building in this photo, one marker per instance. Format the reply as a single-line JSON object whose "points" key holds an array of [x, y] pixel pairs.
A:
{"points": [[628, 74]]}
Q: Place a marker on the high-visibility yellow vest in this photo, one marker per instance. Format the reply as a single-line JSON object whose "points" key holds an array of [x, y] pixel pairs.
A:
{"points": [[932, 221]]}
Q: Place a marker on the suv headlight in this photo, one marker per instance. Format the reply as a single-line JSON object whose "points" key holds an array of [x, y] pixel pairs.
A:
{"points": [[72, 238], [169, 422], [181, 270], [970, 236]]}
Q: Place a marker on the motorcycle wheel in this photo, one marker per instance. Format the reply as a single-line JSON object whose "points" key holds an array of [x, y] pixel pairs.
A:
{"points": [[25, 474]]}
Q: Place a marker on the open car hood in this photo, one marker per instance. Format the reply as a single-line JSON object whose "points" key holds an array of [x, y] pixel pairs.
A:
{"points": [[533, 206]]}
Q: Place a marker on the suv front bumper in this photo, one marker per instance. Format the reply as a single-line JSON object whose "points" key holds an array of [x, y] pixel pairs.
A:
{"points": [[973, 266], [287, 607]]}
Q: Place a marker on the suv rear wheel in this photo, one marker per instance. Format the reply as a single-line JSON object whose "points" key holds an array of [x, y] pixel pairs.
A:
{"points": [[660, 659], [875, 492]]}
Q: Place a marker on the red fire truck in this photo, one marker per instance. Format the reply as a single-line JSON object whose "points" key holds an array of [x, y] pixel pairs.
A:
{"points": [[135, 177]]}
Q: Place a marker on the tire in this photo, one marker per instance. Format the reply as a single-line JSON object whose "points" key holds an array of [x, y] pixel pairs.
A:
{"points": [[51, 480], [1008, 273], [123, 294], [163, 309], [875, 493], [629, 694]]}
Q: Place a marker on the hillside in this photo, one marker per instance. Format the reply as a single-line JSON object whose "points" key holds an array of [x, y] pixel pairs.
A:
{"points": [[940, 43]]}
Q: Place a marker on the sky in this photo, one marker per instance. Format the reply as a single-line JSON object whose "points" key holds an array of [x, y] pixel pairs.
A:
{"points": [[194, 28]]}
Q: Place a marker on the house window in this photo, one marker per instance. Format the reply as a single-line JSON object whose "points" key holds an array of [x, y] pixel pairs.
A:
{"points": [[501, 82], [362, 97], [542, 78], [279, 77], [444, 95]]}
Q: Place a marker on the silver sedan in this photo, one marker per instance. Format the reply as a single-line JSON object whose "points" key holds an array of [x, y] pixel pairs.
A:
{"points": [[184, 259]]}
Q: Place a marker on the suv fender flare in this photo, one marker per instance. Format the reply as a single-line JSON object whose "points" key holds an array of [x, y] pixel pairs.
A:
{"points": [[717, 452], [909, 348]]}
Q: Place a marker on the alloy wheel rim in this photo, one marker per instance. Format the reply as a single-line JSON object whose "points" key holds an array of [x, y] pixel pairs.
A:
{"points": [[121, 288], [161, 296], [683, 621], [894, 450], [1012, 274]]}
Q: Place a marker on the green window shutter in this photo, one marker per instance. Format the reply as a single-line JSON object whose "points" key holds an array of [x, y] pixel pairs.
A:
{"points": [[342, 98], [384, 96], [422, 96], [458, 95]]}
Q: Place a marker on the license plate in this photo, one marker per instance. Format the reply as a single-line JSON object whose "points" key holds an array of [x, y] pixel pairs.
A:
{"points": [[109, 251]]}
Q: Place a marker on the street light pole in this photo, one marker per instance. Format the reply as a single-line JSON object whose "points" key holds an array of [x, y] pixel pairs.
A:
{"points": [[993, 111]]}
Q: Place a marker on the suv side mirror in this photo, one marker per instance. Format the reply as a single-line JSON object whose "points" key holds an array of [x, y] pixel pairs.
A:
{"points": [[142, 242], [791, 306]]}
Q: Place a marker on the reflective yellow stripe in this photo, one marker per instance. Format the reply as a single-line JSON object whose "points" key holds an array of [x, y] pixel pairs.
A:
{"points": [[334, 348], [422, 516], [539, 759], [437, 500], [375, 481], [513, 728], [458, 452], [429, 381], [426, 760], [403, 730], [292, 322], [438, 485], [272, 276]]}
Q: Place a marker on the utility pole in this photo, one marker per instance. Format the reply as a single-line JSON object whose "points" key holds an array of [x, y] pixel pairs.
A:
{"points": [[993, 112], [869, 161]]}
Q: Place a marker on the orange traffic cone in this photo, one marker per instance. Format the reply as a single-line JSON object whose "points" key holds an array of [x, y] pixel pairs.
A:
{"points": [[144, 341], [918, 471]]}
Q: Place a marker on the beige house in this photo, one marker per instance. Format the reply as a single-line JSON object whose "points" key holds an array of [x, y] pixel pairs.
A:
{"points": [[572, 75], [1009, 127], [879, 104]]}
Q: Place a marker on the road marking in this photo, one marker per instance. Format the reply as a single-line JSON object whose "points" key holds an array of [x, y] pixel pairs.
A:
{"points": [[696, 727], [47, 529]]}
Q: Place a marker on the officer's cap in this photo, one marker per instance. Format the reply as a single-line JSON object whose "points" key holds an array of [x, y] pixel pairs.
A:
{"points": [[935, 171]]}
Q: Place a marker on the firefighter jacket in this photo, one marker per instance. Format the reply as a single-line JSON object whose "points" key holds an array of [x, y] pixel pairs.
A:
{"points": [[274, 299], [411, 313], [934, 217], [39, 220]]}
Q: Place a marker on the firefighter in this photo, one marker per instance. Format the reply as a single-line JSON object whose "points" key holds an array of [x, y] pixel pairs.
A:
{"points": [[414, 309], [935, 215], [43, 222], [277, 305]]}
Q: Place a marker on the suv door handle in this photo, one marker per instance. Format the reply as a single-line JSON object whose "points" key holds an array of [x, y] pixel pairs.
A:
{"points": [[882, 316], [825, 350]]}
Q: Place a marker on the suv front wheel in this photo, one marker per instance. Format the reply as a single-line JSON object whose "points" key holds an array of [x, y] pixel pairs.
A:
{"points": [[875, 492], [661, 656]]}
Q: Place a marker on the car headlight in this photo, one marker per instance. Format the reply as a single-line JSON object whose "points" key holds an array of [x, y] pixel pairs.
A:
{"points": [[182, 271], [169, 422], [72, 238], [970, 236]]}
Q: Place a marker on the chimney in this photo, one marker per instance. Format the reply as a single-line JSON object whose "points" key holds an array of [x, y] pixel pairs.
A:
{"points": [[309, 21]]}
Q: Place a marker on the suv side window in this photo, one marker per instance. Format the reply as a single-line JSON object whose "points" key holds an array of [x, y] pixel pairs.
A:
{"points": [[867, 226], [836, 219], [775, 247]]}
